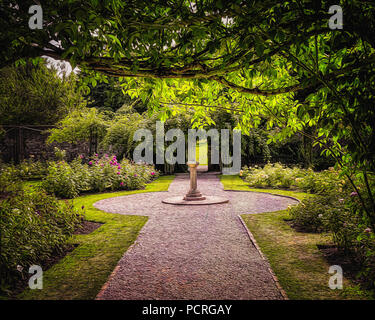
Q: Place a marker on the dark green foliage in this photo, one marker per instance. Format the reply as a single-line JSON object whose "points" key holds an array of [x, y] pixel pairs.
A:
{"points": [[120, 132], [63, 180], [36, 95], [109, 96], [9, 183], [309, 216], [255, 148], [33, 225]]}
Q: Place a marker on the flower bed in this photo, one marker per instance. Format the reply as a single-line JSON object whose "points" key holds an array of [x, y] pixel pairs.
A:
{"points": [[68, 180], [278, 176]]}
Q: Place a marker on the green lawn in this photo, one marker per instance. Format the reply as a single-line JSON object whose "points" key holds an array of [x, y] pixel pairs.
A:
{"points": [[294, 257], [82, 273]]}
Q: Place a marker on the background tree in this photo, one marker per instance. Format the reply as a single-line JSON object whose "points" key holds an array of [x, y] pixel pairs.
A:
{"points": [[36, 95]]}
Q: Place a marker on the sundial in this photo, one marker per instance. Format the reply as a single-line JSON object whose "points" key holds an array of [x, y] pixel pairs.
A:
{"points": [[194, 196]]}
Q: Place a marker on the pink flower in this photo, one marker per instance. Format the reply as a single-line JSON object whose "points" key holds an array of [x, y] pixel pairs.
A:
{"points": [[90, 163], [119, 167], [152, 173], [121, 183], [119, 172], [354, 193], [96, 155], [341, 200], [81, 156], [367, 230], [135, 175]]}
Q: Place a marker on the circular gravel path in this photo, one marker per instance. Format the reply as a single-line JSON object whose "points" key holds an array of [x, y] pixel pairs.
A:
{"points": [[192, 252]]}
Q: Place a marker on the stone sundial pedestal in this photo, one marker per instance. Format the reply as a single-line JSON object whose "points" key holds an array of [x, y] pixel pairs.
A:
{"points": [[194, 196]]}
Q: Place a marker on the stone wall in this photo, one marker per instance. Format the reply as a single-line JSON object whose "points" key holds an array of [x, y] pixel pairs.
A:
{"points": [[23, 142]]}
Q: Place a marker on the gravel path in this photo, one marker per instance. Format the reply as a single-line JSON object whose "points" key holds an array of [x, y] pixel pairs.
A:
{"points": [[192, 252]]}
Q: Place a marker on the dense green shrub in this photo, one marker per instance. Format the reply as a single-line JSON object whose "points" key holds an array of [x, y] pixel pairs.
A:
{"points": [[345, 226], [9, 183], [67, 180], [322, 182], [32, 170], [33, 225], [27, 169], [62, 180], [119, 136], [36, 94], [311, 214]]}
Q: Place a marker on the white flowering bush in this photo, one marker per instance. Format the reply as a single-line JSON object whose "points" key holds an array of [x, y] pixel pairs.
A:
{"points": [[322, 182], [311, 214], [279, 176], [272, 176]]}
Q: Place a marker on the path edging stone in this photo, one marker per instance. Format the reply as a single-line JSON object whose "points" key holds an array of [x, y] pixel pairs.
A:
{"points": [[106, 284], [254, 242], [114, 272]]}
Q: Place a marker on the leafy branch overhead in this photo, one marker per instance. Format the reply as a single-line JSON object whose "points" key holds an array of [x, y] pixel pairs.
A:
{"points": [[214, 40]]}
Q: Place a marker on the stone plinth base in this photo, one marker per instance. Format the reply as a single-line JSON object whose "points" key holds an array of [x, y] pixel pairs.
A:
{"points": [[208, 200], [193, 196]]}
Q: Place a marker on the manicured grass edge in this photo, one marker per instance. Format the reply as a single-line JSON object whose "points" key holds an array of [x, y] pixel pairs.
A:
{"points": [[81, 274]]}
